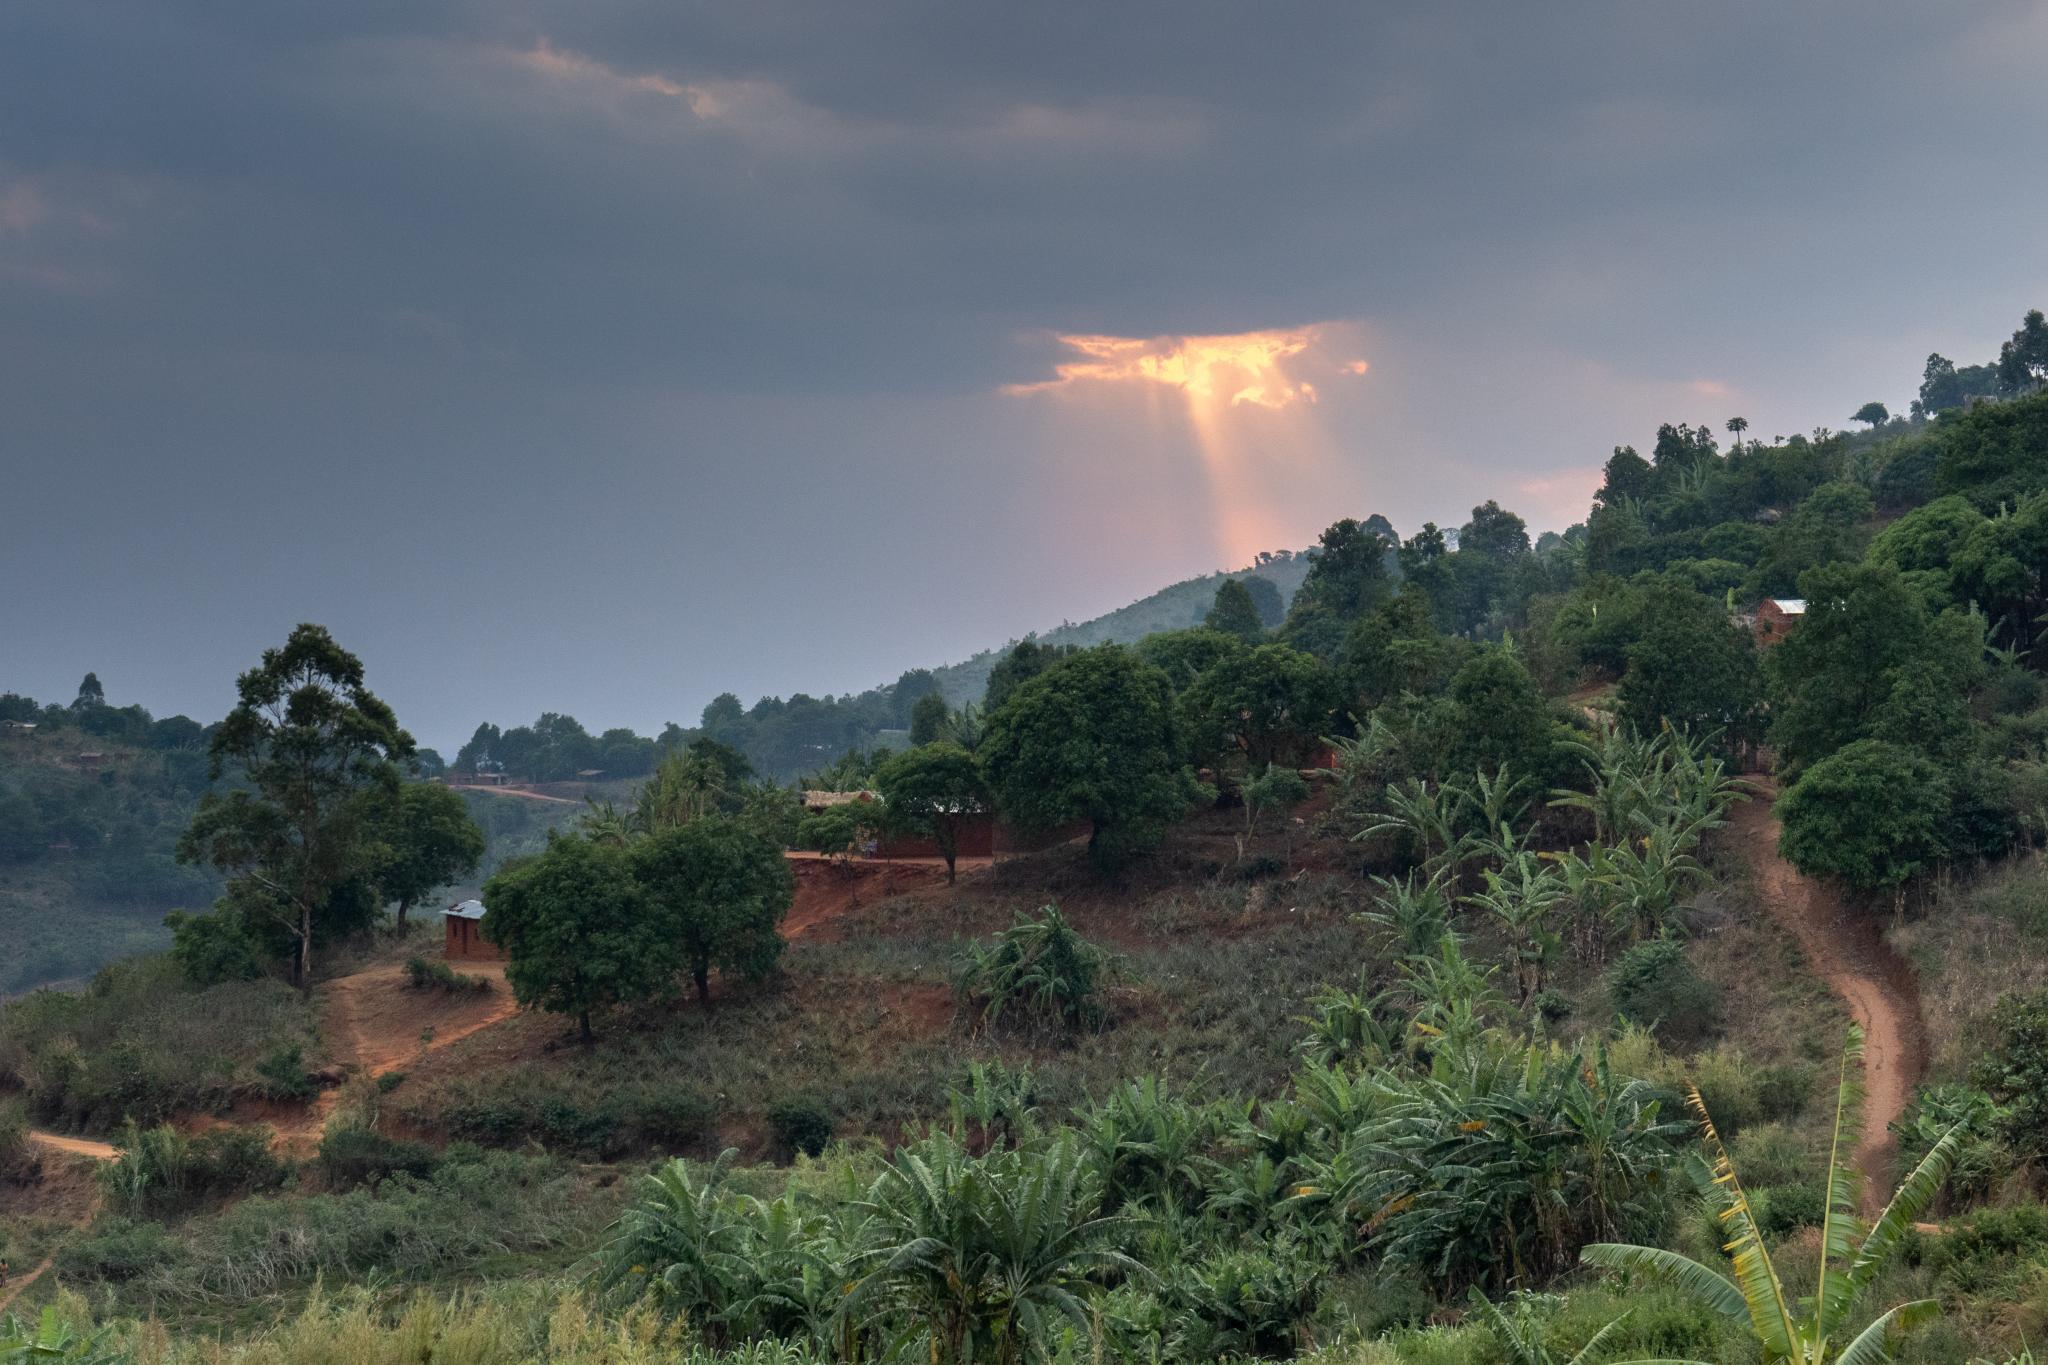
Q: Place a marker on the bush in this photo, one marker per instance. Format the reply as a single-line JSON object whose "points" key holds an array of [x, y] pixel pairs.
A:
{"points": [[1654, 984], [1784, 1209], [351, 1156], [162, 1171], [431, 973], [1038, 971], [2014, 1071], [116, 1249], [285, 1070], [18, 1160], [801, 1124]]}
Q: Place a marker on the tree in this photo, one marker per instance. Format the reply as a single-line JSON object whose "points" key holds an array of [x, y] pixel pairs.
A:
{"points": [[2023, 360], [717, 891], [1692, 667], [315, 747], [1234, 612], [1347, 577], [928, 718], [577, 931], [1025, 661], [1870, 814], [1995, 452], [1627, 477], [1802, 1331], [1830, 676], [1093, 738], [687, 786], [1267, 705], [912, 687], [1395, 649], [1185, 655], [1736, 426], [934, 790], [1874, 415], [90, 693], [1501, 718], [1266, 600], [428, 840], [722, 716]]}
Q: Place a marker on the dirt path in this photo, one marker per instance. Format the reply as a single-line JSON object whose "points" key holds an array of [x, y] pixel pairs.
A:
{"points": [[376, 1023], [17, 1287], [72, 1146], [1850, 954]]}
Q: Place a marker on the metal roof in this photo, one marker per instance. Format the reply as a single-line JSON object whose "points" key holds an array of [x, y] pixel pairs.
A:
{"points": [[1791, 606], [466, 910]]}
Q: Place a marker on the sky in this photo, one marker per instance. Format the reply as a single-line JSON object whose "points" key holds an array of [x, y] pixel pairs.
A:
{"points": [[601, 356]]}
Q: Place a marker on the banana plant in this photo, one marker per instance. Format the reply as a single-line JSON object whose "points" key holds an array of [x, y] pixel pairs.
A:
{"points": [[1428, 815], [1801, 1331], [1521, 1336], [1523, 896]]}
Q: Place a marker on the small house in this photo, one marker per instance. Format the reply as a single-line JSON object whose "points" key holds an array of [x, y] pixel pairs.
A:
{"points": [[17, 729], [465, 926], [815, 801], [1775, 618]]}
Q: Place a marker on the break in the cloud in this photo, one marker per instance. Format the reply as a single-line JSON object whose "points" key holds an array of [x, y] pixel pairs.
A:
{"points": [[1244, 414]]}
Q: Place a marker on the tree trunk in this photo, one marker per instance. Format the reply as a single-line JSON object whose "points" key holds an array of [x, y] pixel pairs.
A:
{"points": [[403, 906], [583, 1027], [701, 974], [302, 969], [949, 868]]}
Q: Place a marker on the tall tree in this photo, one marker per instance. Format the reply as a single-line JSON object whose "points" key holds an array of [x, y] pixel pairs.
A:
{"points": [[1873, 415], [1093, 738], [576, 931], [2023, 361], [1736, 426], [1264, 705], [1347, 577], [717, 890], [1692, 667], [934, 790], [428, 840], [315, 746], [928, 718], [90, 693], [1234, 612]]}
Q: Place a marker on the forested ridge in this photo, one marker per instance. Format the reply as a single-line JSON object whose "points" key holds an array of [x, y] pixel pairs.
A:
{"points": [[1396, 979]]}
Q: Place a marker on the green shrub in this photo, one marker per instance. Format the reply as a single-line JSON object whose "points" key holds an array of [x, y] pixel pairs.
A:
{"points": [[801, 1124], [162, 1171], [1039, 972], [2014, 1071], [1784, 1091], [1654, 984], [116, 1249], [18, 1161], [1783, 1209], [285, 1070], [432, 973], [352, 1155]]}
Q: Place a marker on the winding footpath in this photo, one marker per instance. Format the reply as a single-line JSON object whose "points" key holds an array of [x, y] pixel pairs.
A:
{"points": [[1849, 952]]}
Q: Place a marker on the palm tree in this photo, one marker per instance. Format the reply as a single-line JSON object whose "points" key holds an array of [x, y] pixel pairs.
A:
{"points": [[1804, 1331], [988, 1255], [1736, 426]]}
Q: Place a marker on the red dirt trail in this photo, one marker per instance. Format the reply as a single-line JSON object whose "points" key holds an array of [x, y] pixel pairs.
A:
{"points": [[1849, 952]]}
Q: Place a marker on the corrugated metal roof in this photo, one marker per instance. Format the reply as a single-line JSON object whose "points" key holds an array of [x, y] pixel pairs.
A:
{"points": [[466, 910], [1791, 606]]}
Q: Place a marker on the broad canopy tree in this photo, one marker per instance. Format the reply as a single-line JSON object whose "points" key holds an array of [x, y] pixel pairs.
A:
{"points": [[427, 840], [933, 791], [1092, 738], [1266, 705], [1234, 613], [576, 931], [718, 891], [318, 751]]}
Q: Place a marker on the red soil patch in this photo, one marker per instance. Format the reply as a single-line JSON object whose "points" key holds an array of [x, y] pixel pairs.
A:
{"points": [[828, 891], [1848, 950]]}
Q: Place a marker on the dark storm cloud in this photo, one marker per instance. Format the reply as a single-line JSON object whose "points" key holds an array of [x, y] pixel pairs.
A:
{"points": [[304, 301]]}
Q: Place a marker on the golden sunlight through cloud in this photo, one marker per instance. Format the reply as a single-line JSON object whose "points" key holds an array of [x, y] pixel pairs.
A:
{"points": [[1248, 403]]}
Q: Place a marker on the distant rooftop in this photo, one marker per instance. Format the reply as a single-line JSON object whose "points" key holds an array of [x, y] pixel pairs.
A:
{"points": [[1791, 606], [467, 910]]}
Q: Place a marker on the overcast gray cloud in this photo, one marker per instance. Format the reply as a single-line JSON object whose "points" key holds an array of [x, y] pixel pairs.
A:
{"points": [[602, 356]]}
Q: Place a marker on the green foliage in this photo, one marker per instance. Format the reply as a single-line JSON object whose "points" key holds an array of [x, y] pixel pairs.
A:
{"points": [[1261, 706], [427, 840], [1038, 973], [2013, 1070], [928, 718], [578, 933], [1094, 738], [162, 1171], [1808, 1331], [1234, 613], [352, 1155], [934, 790], [1347, 577], [318, 752], [1653, 984], [802, 1125], [433, 973], [716, 891], [1693, 669], [1995, 452], [1870, 814], [1502, 719]]}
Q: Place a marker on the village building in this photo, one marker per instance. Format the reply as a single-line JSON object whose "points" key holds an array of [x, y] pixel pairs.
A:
{"points": [[1775, 617], [465, 923]]}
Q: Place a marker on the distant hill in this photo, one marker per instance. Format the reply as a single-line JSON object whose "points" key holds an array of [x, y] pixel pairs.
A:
{"points": [[1171, 608]]}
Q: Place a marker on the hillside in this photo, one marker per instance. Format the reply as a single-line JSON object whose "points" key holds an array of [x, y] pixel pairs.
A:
{"points": [[1175, 607]]}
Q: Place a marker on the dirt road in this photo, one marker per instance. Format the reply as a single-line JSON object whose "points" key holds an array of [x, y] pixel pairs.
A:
{"points": [[19, 1285], [1849, 952]]}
